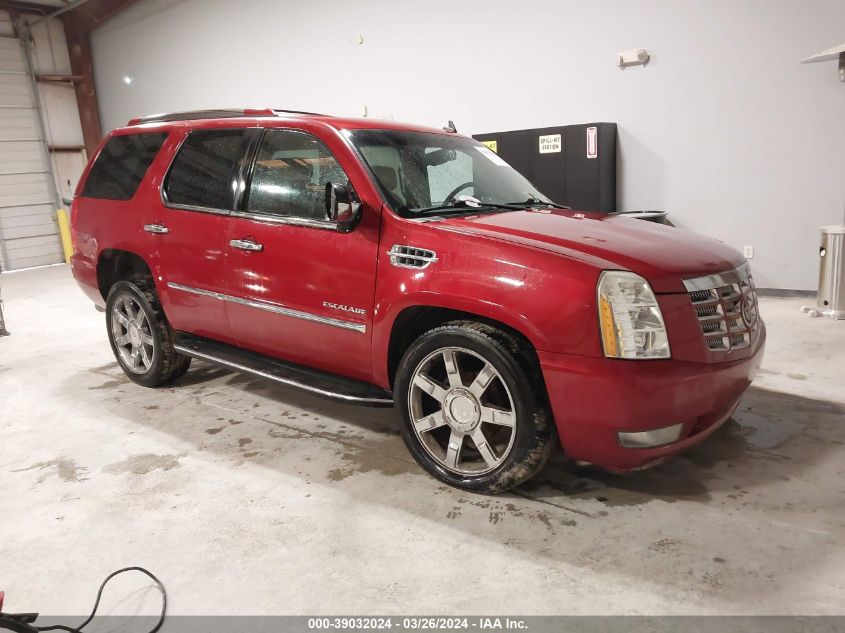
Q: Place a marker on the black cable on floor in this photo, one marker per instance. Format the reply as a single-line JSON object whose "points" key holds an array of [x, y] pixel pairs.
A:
{"points": [[78, 629]]}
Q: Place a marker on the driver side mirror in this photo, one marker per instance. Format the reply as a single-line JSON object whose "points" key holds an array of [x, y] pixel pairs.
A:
{"points": [[342, 206]]}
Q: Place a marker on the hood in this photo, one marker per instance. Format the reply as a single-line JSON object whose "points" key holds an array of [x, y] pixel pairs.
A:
{"points": [[664, 255]]}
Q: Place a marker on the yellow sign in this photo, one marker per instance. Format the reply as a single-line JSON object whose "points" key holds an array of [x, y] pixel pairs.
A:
{"points": [[492, 145]]}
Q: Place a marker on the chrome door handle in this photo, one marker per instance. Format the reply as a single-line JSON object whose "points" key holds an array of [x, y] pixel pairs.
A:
{"points": [[156, 228], [246, 245]]}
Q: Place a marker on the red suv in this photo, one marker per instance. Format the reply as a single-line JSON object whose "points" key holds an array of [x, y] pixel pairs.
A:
{"points": [[387, 264]]}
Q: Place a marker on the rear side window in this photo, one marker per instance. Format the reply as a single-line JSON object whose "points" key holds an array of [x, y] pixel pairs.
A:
{"points": [[121, 165], [202, 171]]}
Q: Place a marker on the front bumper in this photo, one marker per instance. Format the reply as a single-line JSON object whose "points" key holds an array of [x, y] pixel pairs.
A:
{"points": [[593, 399]]}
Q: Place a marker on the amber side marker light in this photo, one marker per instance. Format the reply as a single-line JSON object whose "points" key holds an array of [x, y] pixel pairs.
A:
{"points": [[608, 328]]}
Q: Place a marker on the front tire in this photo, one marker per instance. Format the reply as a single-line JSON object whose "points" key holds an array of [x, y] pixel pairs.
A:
{"points": [[140, 336], [473, 407]]}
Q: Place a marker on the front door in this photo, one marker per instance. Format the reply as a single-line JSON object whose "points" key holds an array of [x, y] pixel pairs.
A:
{"points": [[191, 224], [300, 290]]}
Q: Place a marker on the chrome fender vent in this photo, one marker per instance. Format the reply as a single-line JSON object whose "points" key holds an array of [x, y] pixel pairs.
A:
{"points": [[411, 256]]}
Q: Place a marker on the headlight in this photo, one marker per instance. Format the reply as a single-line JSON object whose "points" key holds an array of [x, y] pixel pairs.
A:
{"points": [[630, 319]]}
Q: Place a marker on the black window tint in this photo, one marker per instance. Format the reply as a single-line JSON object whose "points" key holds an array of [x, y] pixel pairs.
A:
{"points": [[290, 176], [121, 165], [202, 170]]}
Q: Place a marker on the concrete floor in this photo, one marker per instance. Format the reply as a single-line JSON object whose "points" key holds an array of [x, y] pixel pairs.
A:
{"points": [[249, 498]]}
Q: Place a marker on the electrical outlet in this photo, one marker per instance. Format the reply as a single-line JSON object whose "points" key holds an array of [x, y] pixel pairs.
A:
{"points": [[748, 251]]}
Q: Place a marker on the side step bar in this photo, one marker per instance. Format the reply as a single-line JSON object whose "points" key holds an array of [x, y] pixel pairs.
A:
{"points": [[305, 378]]}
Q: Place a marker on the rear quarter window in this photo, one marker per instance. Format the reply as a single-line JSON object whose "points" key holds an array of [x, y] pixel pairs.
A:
{"points": [[121, 165]]}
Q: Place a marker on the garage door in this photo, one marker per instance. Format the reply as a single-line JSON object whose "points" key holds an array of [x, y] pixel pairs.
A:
{"points": [[28, 229]]}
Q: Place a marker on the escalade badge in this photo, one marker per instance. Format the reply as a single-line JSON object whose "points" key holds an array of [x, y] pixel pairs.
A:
{"points": [[339, 306]]}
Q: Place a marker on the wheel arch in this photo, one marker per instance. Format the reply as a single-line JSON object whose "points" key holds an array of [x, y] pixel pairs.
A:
{"points": [[414, 320], [115, 264]]}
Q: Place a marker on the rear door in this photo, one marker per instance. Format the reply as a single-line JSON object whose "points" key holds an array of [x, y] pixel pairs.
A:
{"points": [[189, 224], [300, 289]]}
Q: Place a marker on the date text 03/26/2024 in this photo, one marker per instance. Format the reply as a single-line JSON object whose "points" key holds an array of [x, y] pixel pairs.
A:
{"points": [[417, 623]]}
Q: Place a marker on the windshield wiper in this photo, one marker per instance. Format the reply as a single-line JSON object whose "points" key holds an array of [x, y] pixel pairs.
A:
{"points": [[536, 202], [461, 206]]}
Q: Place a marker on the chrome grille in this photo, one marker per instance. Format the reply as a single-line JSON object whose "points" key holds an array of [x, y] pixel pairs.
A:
{"points": [[726, 307]]}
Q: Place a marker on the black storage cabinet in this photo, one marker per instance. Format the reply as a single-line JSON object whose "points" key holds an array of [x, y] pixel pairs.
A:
{"points": [[578, 171]]}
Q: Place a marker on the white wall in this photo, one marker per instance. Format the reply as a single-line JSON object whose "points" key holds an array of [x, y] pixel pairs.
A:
{"points": [[724, 128]]}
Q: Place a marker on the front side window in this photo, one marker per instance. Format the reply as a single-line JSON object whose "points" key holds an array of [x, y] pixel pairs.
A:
{"points": [[422, 172], [121, 165], [290, 176], [201, 174]]}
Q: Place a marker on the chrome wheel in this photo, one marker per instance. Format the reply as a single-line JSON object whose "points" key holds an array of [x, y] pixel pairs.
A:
{"points": [[133, 337], [462, 411]]}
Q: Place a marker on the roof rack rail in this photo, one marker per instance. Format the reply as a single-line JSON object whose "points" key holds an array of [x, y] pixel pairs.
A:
{"points": [[192, 115], [199, 114], [299, 112]]}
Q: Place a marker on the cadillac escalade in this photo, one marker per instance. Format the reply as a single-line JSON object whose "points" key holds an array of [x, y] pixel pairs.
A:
{"points": [[382, 263]]}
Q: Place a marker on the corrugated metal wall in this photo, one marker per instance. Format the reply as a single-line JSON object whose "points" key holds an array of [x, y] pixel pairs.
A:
{"points": [[58, 106], [28, 230]]}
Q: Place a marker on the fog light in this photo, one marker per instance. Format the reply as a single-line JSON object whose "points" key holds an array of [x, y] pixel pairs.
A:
{"points": [[650, 439]]}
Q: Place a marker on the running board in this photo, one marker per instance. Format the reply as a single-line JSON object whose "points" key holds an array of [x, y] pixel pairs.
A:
{"points": [[305, 378]]}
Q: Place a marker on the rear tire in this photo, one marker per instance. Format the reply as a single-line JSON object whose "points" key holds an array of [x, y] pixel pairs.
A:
{"points": [[183, 364], [140, 336], [473, 407]]}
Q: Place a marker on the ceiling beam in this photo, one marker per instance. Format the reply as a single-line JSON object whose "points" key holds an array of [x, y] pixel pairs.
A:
{"points": [[22, 6], [78, 26], [82, 65], [61, 11], [95, 13]]}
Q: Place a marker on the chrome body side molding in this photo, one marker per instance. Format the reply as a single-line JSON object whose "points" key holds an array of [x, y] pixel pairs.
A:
{"points": [[288, 220], [272, 307]]}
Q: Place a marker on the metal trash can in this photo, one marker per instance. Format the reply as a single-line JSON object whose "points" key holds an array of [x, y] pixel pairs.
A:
{"points": [[831, 298]]}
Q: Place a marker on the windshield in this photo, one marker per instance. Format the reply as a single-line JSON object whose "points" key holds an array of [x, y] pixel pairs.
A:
{"points": [[422, 173]]}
